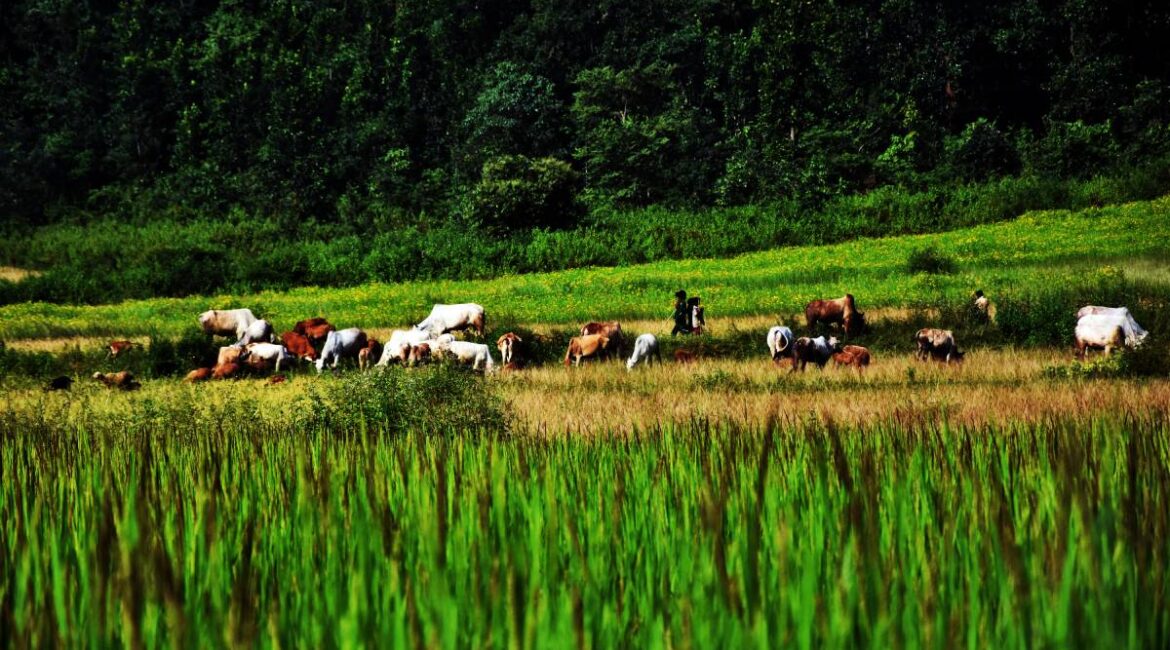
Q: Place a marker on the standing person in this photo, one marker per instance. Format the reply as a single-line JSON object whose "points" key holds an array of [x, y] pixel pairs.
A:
{"points": [[682, 316], [698, 322]]}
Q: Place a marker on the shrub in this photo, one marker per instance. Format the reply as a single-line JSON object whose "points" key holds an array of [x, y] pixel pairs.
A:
{"points": [[517, 192], [979, 152], [1074, 150], [930, 260]]}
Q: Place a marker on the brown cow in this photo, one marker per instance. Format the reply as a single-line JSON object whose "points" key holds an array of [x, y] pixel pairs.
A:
{"points": [[852, 355], [124, 380], [417, 354], [842, 311], [226, 371], [685, 356], [316, 329], [507, 346], [298, 345], [609, 329], [118, 348], [199, 374], [582, 347]]}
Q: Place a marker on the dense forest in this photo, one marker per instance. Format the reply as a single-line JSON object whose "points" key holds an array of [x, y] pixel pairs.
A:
{"points": [[397, 128]]}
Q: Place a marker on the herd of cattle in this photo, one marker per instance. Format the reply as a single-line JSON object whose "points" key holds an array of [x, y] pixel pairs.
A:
{"points": [[315, 340]]}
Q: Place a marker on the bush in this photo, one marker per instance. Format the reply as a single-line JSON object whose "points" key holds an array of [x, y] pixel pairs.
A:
{"points": [[930, 260], [981, 151], [1074, 150], [517, 192]]}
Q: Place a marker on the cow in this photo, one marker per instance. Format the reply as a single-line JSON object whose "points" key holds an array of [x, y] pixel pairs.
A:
{"points": [[373, 350], [645, 349], [258, 332], [226, 370], [419, 353], [780, 340], [1105, 332], [118, 348], [451, 318], [1134, 333], [507, 345], [476, 355], [982, 306], [229, 354], [842, 311], [227, 322], [59, 383], [299, 345], [852, 355], [341, 344], [199, 374], [612, 330], [398, 347], [262, 356], [685, 356], [583, 347], [123, 380], [316, 329], [809, 350], [937, 344]]}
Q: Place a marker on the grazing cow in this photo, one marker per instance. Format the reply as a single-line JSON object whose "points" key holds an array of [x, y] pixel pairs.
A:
{"points": [[258, 332], [199, 374], [1105, 332], [476, 355], [123, 380], [299, 345], [612, 330], [583, 347], [262, 356], [1134, 333], [227, 322], [937, 344], [316, 329], [341, 344], [118, 348], [685, 356], [228, 370], [645, 348], [450, 318], [780, 340], [229, 354], [852, 355], [372, 350], [59, 383], [419, 353], [507, 346], [398, 347], [842, 311], [808, 350]]}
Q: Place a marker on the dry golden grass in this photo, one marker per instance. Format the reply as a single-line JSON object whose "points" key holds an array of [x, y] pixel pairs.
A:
{"points": [[14, 274], [56, 345]]}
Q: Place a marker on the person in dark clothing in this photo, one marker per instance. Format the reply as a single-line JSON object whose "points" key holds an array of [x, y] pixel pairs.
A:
{"points": [[682, 314]]}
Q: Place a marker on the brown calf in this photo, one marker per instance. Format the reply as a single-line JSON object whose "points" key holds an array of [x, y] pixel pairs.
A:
{"points": [[199, 374], [298, 345], [852, 355], [584, 347]]}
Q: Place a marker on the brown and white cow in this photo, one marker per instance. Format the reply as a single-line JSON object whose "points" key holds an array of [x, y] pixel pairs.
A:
{"points": [[123, 380], [842, 311], [937, 344], [809, 350], [507, 344], [586, 347], [118, 348]]}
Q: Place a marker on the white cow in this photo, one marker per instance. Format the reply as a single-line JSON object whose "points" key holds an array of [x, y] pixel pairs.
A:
{"points": [[449, 318], [258, 332], [265, 353], [645, 347], [339, 345], [399, 345], [1105, 332], [1133, 330], [476, 355], [780, 340], [227, 322]]}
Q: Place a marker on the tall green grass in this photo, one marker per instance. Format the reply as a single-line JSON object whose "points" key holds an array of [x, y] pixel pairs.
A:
{"points": [[174, 524]]}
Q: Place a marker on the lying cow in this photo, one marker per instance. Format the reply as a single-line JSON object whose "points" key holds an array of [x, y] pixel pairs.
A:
{"points": [[937, 344], [852, 355], [585, 347], [1105, 332], [451, 318], [199, 374], [507, 345], [611, 330], [299, 345], [1134, 333], [226, 371], [780, 340], [645, 349], [808, 350], [264, 356], [229, 354], [341, 344], [315, 329], [258, 332], [227, 322], [123, 380], [842, 311]]}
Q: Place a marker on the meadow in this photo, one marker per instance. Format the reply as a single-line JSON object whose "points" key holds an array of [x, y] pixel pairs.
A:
{"points": [[1019, 499]]}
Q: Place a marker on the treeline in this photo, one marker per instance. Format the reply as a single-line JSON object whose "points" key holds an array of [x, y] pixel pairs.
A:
{"points": [[327, 121]]}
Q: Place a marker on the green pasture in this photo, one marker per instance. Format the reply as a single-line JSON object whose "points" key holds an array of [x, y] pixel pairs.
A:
{"points": [[1036, 252]]}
